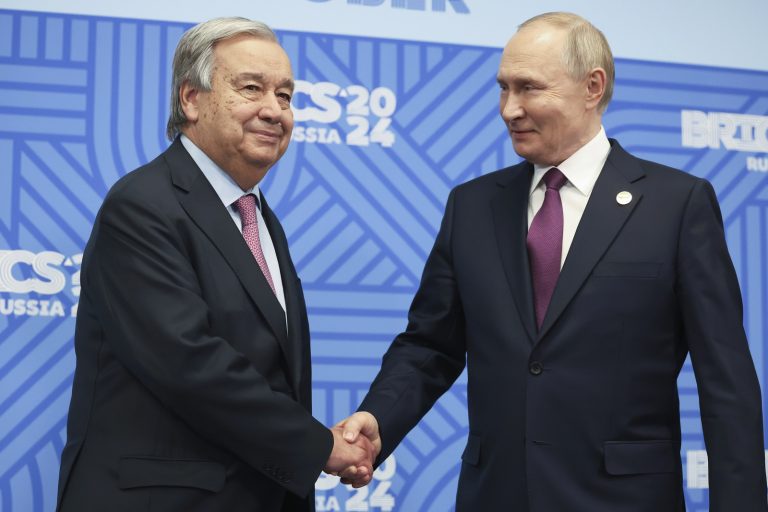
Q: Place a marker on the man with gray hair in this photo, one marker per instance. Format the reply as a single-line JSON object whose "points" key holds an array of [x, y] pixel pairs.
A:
{"points": [[572, 286], [192, 390]]}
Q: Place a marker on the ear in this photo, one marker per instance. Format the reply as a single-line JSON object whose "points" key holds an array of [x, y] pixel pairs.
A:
{"points": [[189, 98], [595, 87]]}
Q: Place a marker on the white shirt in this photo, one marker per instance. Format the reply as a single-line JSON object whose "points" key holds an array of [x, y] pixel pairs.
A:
{"points": [[229, 192], [582, 169]]}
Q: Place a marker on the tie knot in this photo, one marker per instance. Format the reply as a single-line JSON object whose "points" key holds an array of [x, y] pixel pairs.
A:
{"points": [[246, 207], [554, 178]]}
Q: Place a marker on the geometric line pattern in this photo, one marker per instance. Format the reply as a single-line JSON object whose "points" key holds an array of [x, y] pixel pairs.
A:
{"points": [[83, 100]]}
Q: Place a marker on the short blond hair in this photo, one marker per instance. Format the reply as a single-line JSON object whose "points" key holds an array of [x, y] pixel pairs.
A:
{"points": [[586, 48]]}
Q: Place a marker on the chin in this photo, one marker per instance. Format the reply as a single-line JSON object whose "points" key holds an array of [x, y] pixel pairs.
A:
{"points": [[523, 153], [262, 157]]}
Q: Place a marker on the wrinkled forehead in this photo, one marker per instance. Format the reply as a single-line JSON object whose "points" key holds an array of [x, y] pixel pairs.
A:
{"points": [[536, 40], [536, 48], [251, 55], [249, 48]]}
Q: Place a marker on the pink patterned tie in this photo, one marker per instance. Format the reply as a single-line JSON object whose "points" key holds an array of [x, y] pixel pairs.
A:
{"points": [[246, 207], [545, 243]]}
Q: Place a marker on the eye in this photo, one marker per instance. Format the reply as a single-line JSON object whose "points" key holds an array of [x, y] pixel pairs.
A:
{"points": [[284, 99], [252, 87]]}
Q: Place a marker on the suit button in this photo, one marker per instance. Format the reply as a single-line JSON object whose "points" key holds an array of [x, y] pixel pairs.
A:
{"points": [[535, 368]]}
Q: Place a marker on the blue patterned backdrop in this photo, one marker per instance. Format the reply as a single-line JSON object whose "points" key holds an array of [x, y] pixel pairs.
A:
{"points": [[384, 130]]}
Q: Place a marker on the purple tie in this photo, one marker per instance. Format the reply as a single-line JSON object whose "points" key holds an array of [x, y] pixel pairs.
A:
{"points": [[246, 207], [545, 243]]}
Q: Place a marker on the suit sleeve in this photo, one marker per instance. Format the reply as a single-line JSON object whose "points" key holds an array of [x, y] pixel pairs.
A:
{"points": [[425, 360], [729, 391], [155, 320]]}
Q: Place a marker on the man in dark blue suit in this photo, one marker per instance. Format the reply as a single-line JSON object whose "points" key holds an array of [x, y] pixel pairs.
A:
{"points": [[193, 383], [573, 286]]}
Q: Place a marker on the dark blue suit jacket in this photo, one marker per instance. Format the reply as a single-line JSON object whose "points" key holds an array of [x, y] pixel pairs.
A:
{"points": [[583, 415], [189, 392]]}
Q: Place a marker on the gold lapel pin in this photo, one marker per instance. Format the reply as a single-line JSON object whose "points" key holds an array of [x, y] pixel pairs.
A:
{"points": [[623, 198]]}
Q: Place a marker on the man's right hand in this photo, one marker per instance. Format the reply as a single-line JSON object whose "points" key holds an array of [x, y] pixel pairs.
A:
{"points": [[361, 425], [351, 459]]}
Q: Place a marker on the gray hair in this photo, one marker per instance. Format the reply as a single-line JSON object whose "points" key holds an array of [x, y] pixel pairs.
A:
{"points": [[585, 48], [193, 60]]}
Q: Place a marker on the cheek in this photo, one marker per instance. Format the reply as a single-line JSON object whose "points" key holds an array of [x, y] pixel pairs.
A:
{"points": [[241, 114], [218, 103], [287, 122], [569, 121], [215, 112], [553, 117], [206, 109]]}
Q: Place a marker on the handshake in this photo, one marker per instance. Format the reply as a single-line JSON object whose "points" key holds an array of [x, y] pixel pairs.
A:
{"points": [[356, 444]]}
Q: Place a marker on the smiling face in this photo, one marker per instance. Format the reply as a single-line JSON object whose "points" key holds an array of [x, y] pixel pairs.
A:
{"points": [[548, 113], [244, 122]]}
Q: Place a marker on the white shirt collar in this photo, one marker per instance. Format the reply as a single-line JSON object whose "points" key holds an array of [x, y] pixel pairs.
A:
{"points": [[225, 187], [583, 167]]}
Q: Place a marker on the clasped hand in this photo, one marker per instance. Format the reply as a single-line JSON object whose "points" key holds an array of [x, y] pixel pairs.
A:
{"points": [[356, 444]]}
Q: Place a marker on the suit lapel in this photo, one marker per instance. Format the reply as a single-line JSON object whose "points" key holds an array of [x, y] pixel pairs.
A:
{"points": [[601, 222], [204, 207], [295, 348], [510, 217]]}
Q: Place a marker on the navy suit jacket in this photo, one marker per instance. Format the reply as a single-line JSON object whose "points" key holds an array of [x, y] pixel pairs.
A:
{"points": [[583, 414], [190, 394]]}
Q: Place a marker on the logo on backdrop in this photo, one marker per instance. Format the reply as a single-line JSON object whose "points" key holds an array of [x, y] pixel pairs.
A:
{"points": [[458, 6], [734, 132], [373, 496], [326, 113], [34, 284]]}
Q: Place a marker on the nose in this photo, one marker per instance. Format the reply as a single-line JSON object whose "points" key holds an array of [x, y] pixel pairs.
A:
{"points": [[270, 110], [511, 108]]}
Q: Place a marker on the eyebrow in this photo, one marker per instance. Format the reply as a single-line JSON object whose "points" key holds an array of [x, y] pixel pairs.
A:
{"points": [[287, 83], [520, 79]]}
